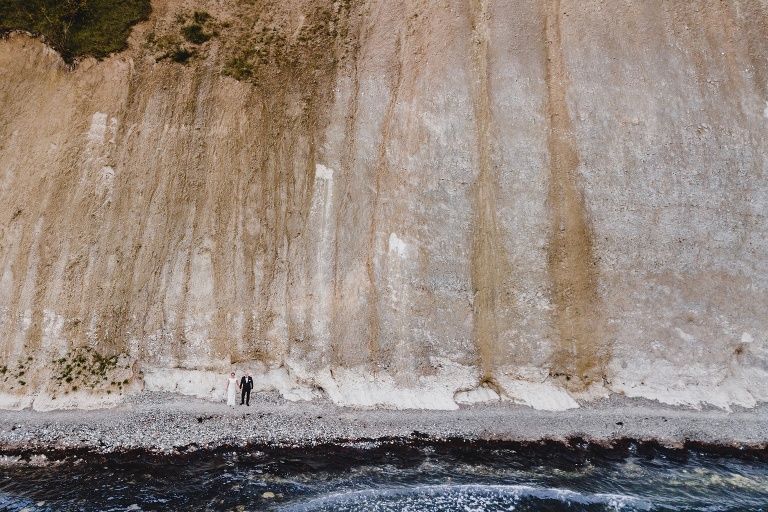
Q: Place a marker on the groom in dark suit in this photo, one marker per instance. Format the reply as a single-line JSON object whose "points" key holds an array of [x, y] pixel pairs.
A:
{"points": [[246, 385]]}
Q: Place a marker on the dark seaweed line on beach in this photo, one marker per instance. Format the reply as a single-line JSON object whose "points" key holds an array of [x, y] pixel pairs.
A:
{"points": [[351, 452]]}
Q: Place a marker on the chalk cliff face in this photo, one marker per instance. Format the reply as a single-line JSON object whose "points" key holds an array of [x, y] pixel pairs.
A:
{"points": [[409, 204]]}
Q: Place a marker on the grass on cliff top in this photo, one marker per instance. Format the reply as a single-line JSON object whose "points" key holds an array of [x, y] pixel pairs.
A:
{"points": [[76, 28]]}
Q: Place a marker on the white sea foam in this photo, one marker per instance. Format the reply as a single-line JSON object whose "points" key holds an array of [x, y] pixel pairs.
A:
{"points": [[469, 498]]}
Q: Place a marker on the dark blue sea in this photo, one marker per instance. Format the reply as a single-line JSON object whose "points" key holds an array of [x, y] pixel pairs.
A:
{"points": [[397, 476]]}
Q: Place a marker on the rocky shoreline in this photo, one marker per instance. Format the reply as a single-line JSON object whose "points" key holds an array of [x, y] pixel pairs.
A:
{"points": [[166, 424]]}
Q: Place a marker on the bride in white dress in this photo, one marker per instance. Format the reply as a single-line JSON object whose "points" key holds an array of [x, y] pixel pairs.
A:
{"points": [[231, 389]]}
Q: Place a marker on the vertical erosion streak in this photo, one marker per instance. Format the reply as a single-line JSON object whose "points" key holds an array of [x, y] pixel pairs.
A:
{"points": [[378, 353], [488, 257], [340, 350], [581, 352]]}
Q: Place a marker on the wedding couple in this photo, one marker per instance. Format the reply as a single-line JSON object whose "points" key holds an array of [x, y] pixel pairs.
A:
{"points": [[246, 385]]}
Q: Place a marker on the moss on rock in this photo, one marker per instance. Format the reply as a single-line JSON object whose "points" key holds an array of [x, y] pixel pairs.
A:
{"points": [[76, 28]]}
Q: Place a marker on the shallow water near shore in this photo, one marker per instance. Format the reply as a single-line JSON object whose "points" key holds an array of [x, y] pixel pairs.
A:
{"points": [[380, 477]]}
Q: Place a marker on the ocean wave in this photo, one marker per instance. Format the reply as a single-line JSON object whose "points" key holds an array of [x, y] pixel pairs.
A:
{"points": [[464, 498]]}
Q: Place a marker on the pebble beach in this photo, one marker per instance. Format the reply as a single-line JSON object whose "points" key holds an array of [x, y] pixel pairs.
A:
{"points": [[167, 424]]}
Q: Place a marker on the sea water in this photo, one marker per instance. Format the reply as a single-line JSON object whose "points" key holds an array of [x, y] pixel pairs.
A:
{"points": [[378, 477]]}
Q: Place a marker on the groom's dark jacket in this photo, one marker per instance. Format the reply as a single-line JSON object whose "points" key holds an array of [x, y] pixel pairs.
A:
{"points": [[246, 384]]}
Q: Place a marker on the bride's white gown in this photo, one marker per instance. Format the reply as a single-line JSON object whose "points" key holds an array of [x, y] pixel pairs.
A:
{"points": [[231, 389]]}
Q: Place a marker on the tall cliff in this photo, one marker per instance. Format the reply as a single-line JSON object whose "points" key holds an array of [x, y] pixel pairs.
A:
{"points": [[399, 203]]}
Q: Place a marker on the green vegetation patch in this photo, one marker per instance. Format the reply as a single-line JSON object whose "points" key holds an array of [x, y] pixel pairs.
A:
{"points": [[270, 50], [76, 28], [195, 30], [181, 54], [195, 34], [240, 67], [84, 367]]}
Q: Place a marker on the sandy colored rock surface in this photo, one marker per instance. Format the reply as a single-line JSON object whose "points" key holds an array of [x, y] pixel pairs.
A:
{"points": [[407, 203]]}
